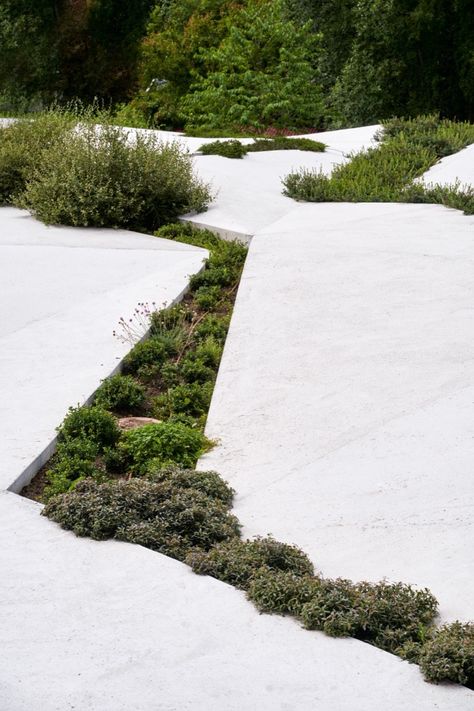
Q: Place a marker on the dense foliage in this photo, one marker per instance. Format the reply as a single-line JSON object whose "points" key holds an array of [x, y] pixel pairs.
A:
{"points": [[242, 63], [100, 176]]}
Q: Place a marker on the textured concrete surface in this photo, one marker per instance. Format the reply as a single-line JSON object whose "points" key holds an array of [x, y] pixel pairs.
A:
{"points": [[249, 191], [345, 399], [115, 627], [63, 293], [458, 168]]}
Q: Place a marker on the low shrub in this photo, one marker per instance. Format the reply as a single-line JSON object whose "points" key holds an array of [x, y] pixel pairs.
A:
{"points": [[161, 516], [386, 615], [283, 143], [375, 175], [207, 297], [215, 327], [386, 173], [449, 655], [235, 149], [166, 442], [93, 424], [280, 592], [191, 399], [209, 483], [153, 351], [228, 149], [237, 562], [98, 176], [121, 393], [442, 136], [74, 460], [393, 617]]}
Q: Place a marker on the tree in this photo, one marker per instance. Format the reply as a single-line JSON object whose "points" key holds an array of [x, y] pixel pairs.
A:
{"points": [[263, 73]]}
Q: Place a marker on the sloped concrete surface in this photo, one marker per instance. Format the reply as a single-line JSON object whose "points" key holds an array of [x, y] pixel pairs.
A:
{"points": [[345, 399], [249, 191], [63, 293], [115, 627], [457, 168]]}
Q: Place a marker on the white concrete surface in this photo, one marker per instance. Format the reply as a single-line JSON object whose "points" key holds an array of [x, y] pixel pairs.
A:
{"points": [[345, 399], [457, 168], [115, 627], [249, 191], [63, 293]]}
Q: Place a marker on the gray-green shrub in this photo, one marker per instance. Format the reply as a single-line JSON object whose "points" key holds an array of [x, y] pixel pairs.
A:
{"points": [[237, 562], [22, 144], [163, 516], [100, 176], [449, 655]]}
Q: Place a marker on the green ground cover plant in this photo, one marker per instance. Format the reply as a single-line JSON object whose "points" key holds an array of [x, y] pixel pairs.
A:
{"points": [[386, 173], [234, 149], [139, 486]]}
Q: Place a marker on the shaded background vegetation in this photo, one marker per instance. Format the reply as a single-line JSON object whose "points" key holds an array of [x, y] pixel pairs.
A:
{"points": [[360, 60]]}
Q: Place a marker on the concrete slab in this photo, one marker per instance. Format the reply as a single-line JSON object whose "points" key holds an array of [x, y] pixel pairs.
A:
{"points": [[458, 168], [345, 398], [115, 627], [63, 292], [249, 191]]}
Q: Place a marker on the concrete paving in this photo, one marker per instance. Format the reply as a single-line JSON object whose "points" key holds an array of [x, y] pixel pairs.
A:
{"points": [[458, 168], [116, 627], [345, 399], [343, 406], [249, 191], [63, 293]]}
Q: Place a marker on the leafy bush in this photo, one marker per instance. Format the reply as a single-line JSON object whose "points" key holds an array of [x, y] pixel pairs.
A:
{"points": [[75, 459], [92, 424], [207, 297], [449, 655], [388, 616], [213, 326], [166, 442], [189, 399], [237, 562], [120, 393], [281, 592], [228, 149], [99, 176], [22, 144], [163, 516], [153, 351]]}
